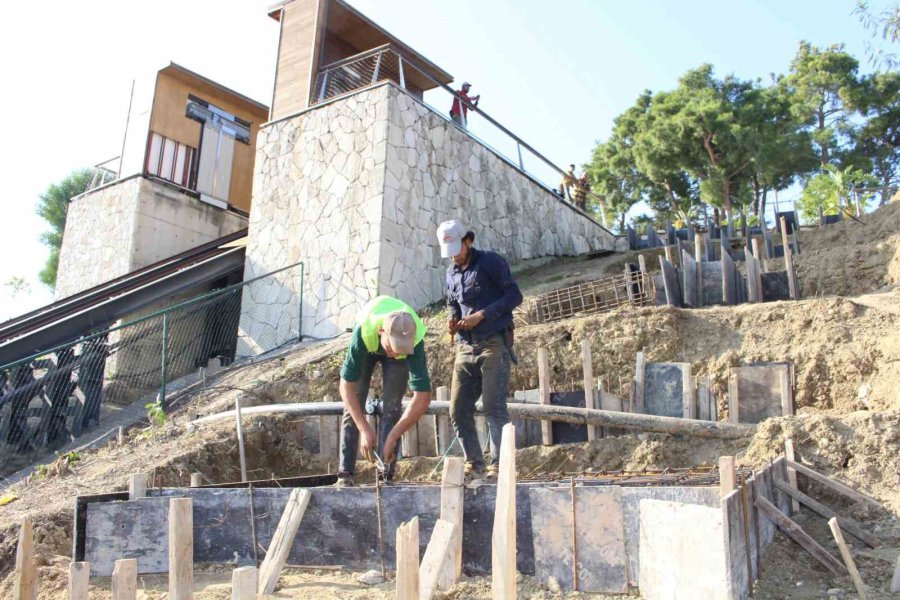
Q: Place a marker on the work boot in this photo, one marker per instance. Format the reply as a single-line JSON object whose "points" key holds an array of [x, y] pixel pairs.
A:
{"points": [[344, 481], [491, 473], [474, 473]]}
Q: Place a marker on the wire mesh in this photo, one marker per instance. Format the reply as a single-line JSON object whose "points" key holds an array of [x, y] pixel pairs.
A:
{"points": [[109, 378]]}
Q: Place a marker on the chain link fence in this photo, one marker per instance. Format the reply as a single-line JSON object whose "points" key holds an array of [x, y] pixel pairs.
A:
{"points": [[110, 377]]}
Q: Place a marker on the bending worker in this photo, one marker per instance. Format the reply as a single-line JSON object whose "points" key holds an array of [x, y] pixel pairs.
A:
{"points": [[482, 295], [389, 332]]}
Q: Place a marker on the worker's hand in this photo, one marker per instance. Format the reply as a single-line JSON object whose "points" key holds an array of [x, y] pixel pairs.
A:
{"points": [[472, 321], [367, 442], [453, 326], [390, 447]]}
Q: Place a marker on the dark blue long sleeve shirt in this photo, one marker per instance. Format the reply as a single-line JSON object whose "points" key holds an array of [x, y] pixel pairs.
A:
{"points": [[485, 284]]}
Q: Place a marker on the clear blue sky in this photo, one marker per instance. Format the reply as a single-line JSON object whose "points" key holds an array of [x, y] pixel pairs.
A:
{"points": [[555, 73]]}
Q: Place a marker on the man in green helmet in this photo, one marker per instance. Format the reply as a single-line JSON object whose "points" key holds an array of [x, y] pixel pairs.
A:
{"points": [[388, 331]]}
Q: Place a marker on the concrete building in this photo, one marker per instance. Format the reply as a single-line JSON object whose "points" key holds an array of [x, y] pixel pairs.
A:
{"points": [[355, 171], [183, 179]]}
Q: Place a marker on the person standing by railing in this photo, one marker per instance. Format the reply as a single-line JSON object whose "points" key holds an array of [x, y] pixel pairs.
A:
{"points": [[567, 183], [459, 111], [582, 187]]}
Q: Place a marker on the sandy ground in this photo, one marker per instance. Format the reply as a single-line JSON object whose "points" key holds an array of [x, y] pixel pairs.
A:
{"points": [[846, 351]]}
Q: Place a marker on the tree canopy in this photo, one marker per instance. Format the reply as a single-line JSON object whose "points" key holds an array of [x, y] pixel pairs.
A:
{"points": [[52, 206]]}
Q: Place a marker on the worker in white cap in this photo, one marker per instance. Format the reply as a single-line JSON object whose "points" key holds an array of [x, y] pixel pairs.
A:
{"points": [[459, 111], [390, 333], [481, 295]]}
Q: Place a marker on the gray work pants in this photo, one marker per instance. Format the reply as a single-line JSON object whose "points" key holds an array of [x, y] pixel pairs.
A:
{"points": [[395, 374], [481, 369]]}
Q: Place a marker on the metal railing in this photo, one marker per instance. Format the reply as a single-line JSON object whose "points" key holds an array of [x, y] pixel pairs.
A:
{"points": [[51, 398], [386, 63]]}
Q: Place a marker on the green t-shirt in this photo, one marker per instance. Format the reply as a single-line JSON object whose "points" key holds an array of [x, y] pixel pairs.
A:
{"points": [[357, 354]]}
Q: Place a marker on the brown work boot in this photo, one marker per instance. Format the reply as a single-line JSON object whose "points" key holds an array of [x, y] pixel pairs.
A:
{"points": [[474, 473], [344, 481], [491, 473]]}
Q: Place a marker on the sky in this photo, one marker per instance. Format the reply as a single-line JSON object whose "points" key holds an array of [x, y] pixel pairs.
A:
{"points": [[554, 73]]}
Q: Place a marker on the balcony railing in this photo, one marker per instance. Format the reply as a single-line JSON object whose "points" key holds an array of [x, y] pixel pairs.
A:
{"points": [[387, 63]]}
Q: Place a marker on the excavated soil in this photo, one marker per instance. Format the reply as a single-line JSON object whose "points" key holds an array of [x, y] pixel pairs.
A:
{"points": [[846, 352]]}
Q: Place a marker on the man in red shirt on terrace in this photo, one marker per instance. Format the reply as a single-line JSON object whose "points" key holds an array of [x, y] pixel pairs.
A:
{"points": [[460, 117]]}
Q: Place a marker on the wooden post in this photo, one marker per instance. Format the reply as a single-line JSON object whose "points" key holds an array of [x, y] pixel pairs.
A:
{"points": [[754, 289], [239, 427], [848, 558], [181, 549], [759, 257], [727, 478], [79, 580], [407, 581], [796, 533], [782, 223], [26, 569], [793, 290], [733, 399], [452, 500], [787, 391], [443, 430], [196, 479], [137, 486], [791, 472], [282, 540], [590, 398], [503, 539], [688, 397], [638, 391], [409, 442], [544, 386], [124, 579], [437, 557], [243, 583]]}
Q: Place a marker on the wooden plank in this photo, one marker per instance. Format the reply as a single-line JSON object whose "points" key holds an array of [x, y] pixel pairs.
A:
{"points": [[754, 287], [793, 288], [590, 398], [276, 555], [124, 579], [638, 391], [79, 580], [407, 544], [410, 441], [239, 431], [837, 486], [791, 473], [762, 262], [851, 527], [503, 538], [137, 486], [848, 558], [442, 423], [668, 253], [689, 399], [243, 583], [729, 285], [544, 386], [196, 479], [452, 498], [727, 478], [787, 391], [689, 271], [437, 558], [733, 399], [796, 533], [26, 585], [181, 549]]}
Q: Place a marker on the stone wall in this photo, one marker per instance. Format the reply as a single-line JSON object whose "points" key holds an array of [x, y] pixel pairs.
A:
{"points": [[356, 188], [130, 224]]}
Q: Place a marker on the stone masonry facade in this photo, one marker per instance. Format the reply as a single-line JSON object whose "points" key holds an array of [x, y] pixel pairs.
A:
{"points": [[356, 188], [130, 224]]}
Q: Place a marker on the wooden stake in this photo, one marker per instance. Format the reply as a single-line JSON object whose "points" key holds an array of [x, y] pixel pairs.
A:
{"points": [[137, 486], [590, 398], [503, 539], [756, 254], [793, 290], [745, 519], [239, 427], [443, 430], [848, 558], [124, 579], [409, 441], [282, 540], [544, 386], [407, 580], [452, 500], [437, 557], [733, 399], [688, 396], [243, 583], [181, 549], [851, 527], [796, 533], [79, 580], [791, 473], [837, 486], [727, 479], [26, 569], [638, 403], [196, 479]]}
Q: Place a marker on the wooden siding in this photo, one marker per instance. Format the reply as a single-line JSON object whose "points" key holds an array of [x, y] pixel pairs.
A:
{"points": [[296, 56]]}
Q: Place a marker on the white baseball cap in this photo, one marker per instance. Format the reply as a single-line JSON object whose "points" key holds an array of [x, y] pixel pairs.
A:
{"points": [[450, 235]]}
